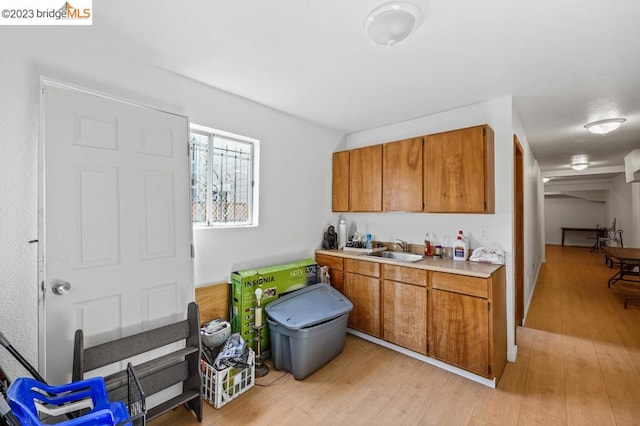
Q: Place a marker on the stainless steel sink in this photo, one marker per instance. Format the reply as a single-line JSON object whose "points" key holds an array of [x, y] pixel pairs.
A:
{"points": [[396, 255]]}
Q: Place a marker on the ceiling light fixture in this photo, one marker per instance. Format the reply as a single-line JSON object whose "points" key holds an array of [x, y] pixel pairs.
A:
{"points": [[392, 22], [579, 166], [602, 127], [546, 179]]}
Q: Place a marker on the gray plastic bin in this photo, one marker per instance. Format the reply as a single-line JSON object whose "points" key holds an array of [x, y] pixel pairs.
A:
{"points": [[308, 328]]}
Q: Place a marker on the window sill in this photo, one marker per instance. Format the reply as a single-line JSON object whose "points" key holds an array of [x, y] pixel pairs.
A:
{"points": [[204, 227]]}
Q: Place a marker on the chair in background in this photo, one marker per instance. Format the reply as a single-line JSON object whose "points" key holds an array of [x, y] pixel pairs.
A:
{"points": [[605, 237], [610, 260]]}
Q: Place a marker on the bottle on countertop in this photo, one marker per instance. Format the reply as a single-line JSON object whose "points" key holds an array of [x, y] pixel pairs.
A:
{"points": [[428, 250], [342, 233], [369, 242], [460, 249], [447, 248]]}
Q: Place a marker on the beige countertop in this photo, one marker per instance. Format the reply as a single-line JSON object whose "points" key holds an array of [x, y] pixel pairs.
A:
{"points": [[472, 269]]}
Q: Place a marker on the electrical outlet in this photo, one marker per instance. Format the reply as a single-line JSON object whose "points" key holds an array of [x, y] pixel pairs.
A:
{"points": [[484, 233]]}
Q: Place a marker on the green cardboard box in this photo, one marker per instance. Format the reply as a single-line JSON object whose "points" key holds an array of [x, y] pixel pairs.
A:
{"points": [[274, 281]]}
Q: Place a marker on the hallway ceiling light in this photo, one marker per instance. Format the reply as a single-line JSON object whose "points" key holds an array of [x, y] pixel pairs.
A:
{"points": [[602, 127], [392, 22], [579, 166], [545, 179]]}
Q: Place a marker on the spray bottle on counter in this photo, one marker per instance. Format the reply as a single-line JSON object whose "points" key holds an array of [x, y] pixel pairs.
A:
{"points": [[460, 249]]}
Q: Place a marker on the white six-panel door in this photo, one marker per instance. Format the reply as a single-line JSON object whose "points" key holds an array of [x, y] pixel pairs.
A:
{"points": [[116, 223]]}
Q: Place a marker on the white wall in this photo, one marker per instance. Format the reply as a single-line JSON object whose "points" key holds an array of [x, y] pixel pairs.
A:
{"points": [[574, 213], [295, 172], [589, 203], [295, 201], [498, 114], [620, 207], [18, 210], [633, 237], [412, 226]]}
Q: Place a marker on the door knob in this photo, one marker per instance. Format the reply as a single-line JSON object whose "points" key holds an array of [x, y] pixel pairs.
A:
{"points": [[60, 288]]}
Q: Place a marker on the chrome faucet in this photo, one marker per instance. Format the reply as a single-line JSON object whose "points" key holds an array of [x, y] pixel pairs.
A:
{"points": [[403, 245]]}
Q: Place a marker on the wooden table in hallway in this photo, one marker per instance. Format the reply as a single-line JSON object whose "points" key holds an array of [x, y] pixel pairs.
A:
{"points": [[565, 229], [629, 260]]}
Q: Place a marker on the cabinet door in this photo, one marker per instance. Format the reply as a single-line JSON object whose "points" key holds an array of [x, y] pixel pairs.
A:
{"points": [[337, 279], [460, 327], [405, 315], [365, 179], [340, 182], [335, 264], [402, 176], [364, 293], [458, 171]]}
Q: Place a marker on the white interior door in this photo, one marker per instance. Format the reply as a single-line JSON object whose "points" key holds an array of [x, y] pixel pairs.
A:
{"points": [[116, 223]]}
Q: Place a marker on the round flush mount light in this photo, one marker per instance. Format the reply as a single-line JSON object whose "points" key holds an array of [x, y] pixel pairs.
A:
{"points": [[392, 22], [579, 166], [546, 179], [602, 127]]}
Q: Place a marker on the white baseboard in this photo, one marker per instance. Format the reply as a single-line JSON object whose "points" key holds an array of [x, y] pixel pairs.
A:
{"points": [[450, 368], [512, 353], [527, 303]]}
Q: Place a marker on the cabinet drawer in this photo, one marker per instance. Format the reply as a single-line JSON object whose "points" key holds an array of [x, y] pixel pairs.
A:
{"points": [[461, 284], [333, 262], [405, 275], [362, 267]]}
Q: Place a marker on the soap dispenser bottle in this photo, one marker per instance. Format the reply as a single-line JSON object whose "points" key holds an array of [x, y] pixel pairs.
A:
{"points": [[460, 249]]}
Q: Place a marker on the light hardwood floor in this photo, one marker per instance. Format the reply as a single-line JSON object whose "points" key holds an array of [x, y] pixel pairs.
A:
{"points": [[578, 364]]}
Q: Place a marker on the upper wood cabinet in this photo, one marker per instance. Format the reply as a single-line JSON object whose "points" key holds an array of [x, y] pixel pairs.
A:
{"points": [[340, 182], [459, 171], [450, 172], [365, 179], [402, 175]]}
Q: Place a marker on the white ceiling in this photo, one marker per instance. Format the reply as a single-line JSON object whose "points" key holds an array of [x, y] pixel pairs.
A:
{"points": [[565, 62]]}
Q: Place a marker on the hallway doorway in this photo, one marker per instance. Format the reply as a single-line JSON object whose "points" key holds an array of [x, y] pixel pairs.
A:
{"points": [[518, 231]]}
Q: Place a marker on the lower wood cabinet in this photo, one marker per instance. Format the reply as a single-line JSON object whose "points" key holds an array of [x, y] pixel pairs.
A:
{"points": [[404, 307], [461, 331], [336, 267], [405, 315], [364, 292], [457, 319], [468, 322]]}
